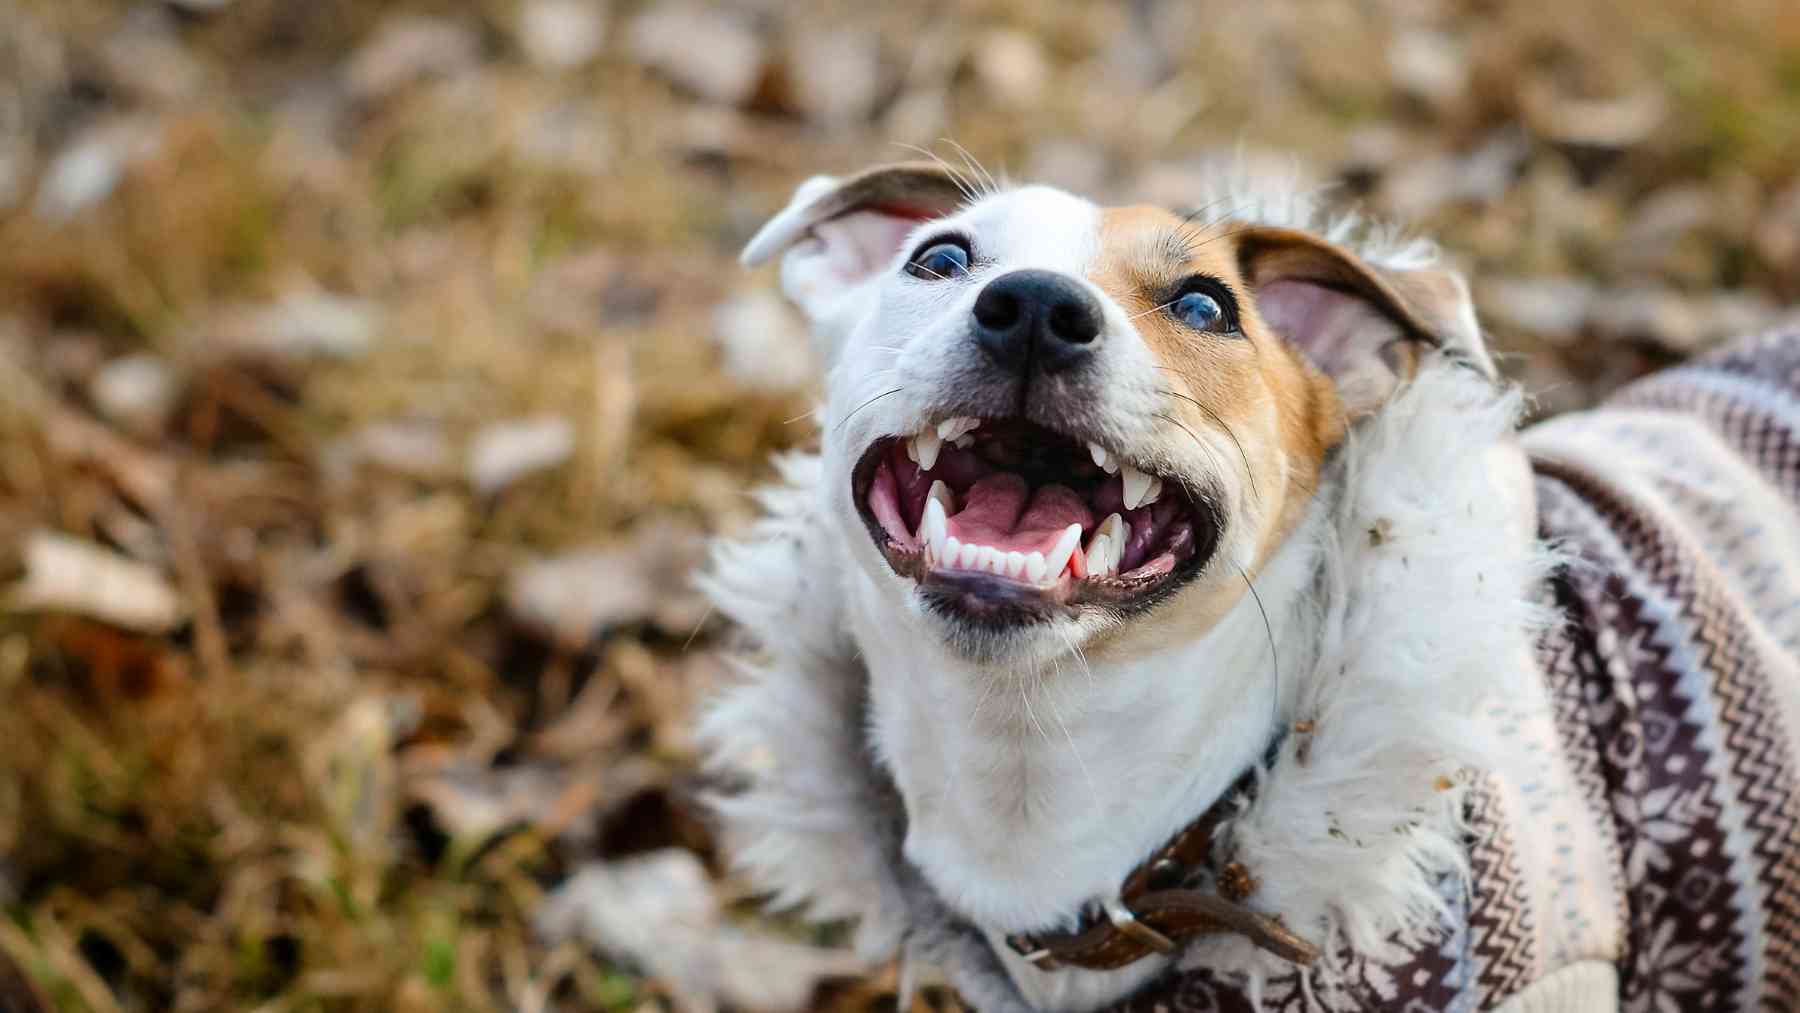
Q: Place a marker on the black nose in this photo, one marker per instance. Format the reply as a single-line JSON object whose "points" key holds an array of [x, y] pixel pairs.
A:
{"points": [[1036, 320]]}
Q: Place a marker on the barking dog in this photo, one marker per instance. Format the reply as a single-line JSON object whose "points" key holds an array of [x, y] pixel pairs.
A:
{"points": [[1168, 614]]}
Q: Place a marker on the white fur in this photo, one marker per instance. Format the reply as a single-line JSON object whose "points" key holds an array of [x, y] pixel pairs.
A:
{"points": [[1033, 786]]}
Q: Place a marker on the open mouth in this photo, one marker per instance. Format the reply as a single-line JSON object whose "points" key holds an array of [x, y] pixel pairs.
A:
{"points": [[1007, 520]]}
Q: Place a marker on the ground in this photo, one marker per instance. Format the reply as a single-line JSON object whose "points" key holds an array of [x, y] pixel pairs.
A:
{"points": [[370, 373]]}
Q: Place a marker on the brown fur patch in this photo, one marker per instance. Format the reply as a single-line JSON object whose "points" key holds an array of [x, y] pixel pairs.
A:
{"points": [[1251, 387], [1280, 410]]}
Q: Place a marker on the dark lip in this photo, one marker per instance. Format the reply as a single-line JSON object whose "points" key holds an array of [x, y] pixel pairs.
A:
{"points": [[990, 601]]}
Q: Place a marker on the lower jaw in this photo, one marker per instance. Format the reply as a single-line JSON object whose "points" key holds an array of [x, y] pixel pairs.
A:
{"points": [[983, 600]]}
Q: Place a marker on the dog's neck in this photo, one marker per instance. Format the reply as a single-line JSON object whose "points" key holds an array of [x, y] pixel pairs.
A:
{"points": [[1033, 790]]}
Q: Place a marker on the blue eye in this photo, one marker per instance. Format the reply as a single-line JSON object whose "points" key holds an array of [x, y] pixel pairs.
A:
{"points": [[1200, 311], [940, 261]]}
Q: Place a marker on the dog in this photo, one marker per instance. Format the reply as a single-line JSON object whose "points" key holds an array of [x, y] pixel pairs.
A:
{"points": [[1174, 617]]}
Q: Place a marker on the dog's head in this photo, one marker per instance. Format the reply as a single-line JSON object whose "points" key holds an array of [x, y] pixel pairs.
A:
{"points": [[1048, 420]]}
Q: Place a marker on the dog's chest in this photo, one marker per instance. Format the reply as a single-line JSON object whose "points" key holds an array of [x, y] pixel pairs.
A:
{"points": [[1029, 794]]}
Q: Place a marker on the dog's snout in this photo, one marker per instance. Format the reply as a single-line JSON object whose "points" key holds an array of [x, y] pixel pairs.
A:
{"points": [[1036, 320]]}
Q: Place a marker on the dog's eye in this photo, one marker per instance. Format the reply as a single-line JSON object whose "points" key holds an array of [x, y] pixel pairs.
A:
{"points": [[940, 260], [1204, 310]]}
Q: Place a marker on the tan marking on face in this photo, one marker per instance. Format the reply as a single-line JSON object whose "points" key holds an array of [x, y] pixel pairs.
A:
{"points": [[1146, 254], [1281, 411]]}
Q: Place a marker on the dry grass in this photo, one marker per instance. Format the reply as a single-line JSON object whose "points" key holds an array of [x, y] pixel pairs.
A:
{"points": [[350, 773]]}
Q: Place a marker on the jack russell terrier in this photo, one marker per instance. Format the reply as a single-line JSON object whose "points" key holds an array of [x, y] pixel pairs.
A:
{"points": [[1173, 618]]}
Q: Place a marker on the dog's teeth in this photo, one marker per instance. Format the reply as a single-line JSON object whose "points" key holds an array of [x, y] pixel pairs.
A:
{"points": [[1035, 567], [912, 450], [953, 430], [927, 445], [971, 557], [1115, 527], [1015, 564], [1137, 486], [951, 552], [941, 493], [964, 441], [1107, 546], [1154, 494], [1062, 552], [934, 527], [1098, 453], [1098, 552]]}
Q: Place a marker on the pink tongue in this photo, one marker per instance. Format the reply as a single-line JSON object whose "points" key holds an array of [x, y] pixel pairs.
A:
{"points": [[1054, 508], [995, 513], [990, 508]]}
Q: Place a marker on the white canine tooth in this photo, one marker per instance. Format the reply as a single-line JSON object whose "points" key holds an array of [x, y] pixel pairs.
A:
{"points": [[1058, 559], [1137, 484], [1155, 492], [1015, 564], [1107, 546], [1099, 553], [928, 445], [1098, 453], [952, 430], [1035, 567], [941, 493], [1115, 528], [934, 528]]}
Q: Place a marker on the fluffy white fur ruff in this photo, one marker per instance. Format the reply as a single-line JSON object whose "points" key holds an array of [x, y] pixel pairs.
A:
{"points": [[1422, 608], [1425, 609]]}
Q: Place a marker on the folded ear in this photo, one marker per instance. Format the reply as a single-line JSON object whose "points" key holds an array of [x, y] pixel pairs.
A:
{"points": [[1366, 327], [837, 233]]}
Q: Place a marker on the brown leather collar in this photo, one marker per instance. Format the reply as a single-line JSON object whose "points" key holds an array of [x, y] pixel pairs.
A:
{"points": [[1158, 909]]}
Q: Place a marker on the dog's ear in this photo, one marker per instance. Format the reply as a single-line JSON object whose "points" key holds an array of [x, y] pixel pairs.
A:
{"points": [[1366, 327], [836, 233]]}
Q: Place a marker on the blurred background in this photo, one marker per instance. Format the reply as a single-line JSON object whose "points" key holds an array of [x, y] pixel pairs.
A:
{"points": [[372, 372]]}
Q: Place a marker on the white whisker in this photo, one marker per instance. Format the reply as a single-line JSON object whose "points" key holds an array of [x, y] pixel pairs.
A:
{"points": [[1151, 310], [962, 183], [990, 185]]}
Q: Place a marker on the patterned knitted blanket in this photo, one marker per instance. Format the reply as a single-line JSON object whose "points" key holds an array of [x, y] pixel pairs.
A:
{"points": [[1641, 848]]}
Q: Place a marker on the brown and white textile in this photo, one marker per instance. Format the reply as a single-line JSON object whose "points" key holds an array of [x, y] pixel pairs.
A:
{"points": [[1640, 848]]}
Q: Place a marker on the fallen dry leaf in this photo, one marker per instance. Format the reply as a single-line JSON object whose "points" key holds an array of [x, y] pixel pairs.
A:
{"points": [[580, 595], [67, 574], [660, 912], [506, 452]]}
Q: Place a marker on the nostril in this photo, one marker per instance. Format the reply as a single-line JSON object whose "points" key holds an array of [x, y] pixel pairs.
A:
{"points": [[1036, 320], [1074, 322], [997, 309]]}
